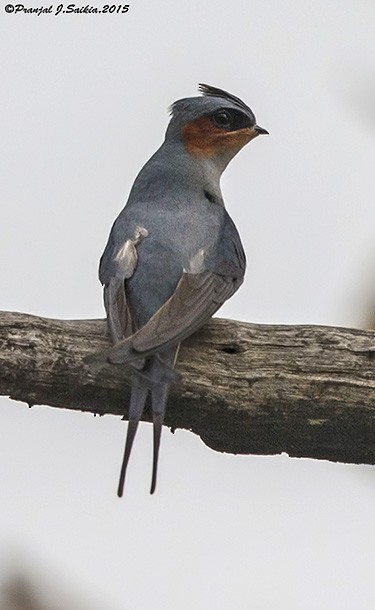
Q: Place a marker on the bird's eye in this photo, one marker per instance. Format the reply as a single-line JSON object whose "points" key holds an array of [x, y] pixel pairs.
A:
{"points": [[222, 119]]}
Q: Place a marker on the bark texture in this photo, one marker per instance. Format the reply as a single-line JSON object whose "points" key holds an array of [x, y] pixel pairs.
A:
{"points": [[245, 388]]}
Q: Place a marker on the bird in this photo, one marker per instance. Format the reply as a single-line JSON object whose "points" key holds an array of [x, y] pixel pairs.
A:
{"points": [[174, 255]]}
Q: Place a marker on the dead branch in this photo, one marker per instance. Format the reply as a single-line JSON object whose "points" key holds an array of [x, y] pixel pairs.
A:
{"points": [[246, 388]]}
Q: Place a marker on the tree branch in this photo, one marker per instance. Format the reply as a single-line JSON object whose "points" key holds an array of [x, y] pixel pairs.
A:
{"points": [[246, 388]]}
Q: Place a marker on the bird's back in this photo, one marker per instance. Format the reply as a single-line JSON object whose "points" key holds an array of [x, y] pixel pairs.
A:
{"points": [[180, 222]]}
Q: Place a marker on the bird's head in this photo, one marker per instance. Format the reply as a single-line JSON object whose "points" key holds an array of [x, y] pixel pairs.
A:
{"points": [[215, 125]]}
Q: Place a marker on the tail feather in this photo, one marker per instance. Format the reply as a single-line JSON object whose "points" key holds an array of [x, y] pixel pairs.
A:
{"points": [[158, 423], [137, 402], [159, 396]]}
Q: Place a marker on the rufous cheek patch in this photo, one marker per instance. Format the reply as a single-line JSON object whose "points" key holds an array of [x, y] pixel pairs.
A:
{"points": [[203, 139]]}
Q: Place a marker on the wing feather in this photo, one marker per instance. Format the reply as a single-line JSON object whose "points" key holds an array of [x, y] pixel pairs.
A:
{"points": [[116, 265], [118, 315]]}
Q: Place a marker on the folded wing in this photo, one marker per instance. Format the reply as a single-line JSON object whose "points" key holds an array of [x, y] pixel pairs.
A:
{"points": [[196, 298]]}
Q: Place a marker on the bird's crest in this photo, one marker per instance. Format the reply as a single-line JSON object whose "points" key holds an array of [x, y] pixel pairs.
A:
{"points": [[210, 91]]}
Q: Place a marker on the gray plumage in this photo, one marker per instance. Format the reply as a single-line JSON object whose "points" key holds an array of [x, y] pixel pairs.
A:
{"points": [[174, 255]]}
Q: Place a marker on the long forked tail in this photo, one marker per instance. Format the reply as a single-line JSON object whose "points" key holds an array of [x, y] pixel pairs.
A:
{"points": [[159, 396], [156, 377], [137, 402]]}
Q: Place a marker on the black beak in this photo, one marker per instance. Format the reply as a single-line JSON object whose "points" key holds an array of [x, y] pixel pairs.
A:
{"points": [[260, 130]]}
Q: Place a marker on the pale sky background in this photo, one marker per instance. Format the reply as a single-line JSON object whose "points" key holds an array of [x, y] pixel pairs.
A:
{"points": [[84, 103]]}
